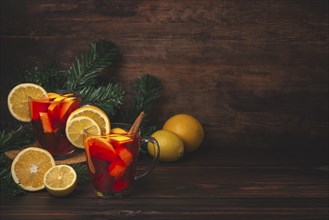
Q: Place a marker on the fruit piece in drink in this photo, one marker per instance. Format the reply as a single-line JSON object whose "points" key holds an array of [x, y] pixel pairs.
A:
{"points": [[47, 124], [118, 131], [117, 169], [125, 155], [66, 108], [101, 149], [49, 120]]}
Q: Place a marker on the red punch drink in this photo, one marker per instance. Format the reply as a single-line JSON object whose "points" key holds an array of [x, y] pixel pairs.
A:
{"points": [[49, 118], [112, 161]]}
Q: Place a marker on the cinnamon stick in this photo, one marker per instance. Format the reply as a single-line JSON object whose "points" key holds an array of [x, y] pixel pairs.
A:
{"points": [[134, 128]]}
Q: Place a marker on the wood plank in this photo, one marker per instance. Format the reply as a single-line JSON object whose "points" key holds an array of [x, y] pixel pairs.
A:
{"points": [[250, 72], [176, 209], [192, 193], [255, 73]]}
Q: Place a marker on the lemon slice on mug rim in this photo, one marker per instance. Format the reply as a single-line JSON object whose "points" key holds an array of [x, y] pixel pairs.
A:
{"points": [[96, 114], [76, 127]]}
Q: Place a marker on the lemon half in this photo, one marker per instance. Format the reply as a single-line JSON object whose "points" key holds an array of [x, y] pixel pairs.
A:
{"points": [[75, 128], [96, 114], [60, 180]]}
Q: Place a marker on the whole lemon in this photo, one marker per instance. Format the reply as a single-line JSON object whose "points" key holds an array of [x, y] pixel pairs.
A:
{"points": [[171, 146], [188, 128]]}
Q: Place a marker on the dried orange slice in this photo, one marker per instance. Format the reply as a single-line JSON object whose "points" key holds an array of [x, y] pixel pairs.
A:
{"points": [[18, 100], [89, 161], [96, 114], [30, 166], [60, 180]]}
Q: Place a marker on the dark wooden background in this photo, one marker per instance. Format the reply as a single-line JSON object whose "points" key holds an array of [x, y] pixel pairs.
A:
{"points": [[254, 72]]}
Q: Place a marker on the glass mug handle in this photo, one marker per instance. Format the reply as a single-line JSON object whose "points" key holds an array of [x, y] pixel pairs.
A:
{"points": [[155, 158]]}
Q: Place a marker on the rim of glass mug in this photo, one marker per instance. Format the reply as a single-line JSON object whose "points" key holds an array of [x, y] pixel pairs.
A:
{"points": [[60, 92]]}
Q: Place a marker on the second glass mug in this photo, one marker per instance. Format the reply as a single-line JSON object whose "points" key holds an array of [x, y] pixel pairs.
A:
{"points": [[112, 160], [49, 118]]}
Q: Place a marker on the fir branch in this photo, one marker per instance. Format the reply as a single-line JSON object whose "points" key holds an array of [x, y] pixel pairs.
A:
{"points": [[50, 77], [147, 90], [12, 139], [16, 138], [109, 98], [81, 78], [86, 67], [8, 187], [82, 172]]}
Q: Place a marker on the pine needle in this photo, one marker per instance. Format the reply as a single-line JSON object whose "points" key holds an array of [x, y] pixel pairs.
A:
{"points": [[147, 90], [109, 98], [16, 138], [8, 187], [86, 67], [50, 77], [82, 172], [81, 78]]}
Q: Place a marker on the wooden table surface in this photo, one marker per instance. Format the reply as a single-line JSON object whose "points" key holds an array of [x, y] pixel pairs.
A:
{"points": [[253, 72], [211, 183]]}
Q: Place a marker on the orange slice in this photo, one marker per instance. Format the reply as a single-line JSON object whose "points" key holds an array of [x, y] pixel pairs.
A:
{"points": [[101, 149], [125, 155], [53, 110], [52, 95], [47, 124], [118, 131], [87, 150], [66, 109], [30, 166], [18, 100], [117, 169], [121, 138], [59, 98]]}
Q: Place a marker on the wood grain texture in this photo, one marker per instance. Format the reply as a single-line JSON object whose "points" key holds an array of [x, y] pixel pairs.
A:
{"points": [[252, 72], [237, 185]]}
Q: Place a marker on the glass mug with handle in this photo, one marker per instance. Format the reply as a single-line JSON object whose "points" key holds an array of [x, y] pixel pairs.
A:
{"points": [[49, 116], [112, 160]]}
